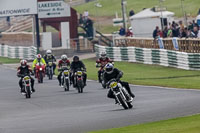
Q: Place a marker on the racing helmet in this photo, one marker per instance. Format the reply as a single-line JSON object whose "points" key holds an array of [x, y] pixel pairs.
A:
{"points": [[39, 56], [64, 57], [109, 68], [49, 52], [75, 58], [23, 63], [103, 55]]}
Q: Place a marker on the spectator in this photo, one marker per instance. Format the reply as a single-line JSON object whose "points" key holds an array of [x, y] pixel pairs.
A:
{"points": [[183, 33], [195, 31], [80, 19], [181, 25], [160, 34], [122, 31], [155, 32], [190, 34], [8, 20], [131, 13], [165, 32], [195, 24], [198, 12], [169, 33], [190, 27], [129, 32], [198, 35], [86, 14], [175, 30], [89, 28]]}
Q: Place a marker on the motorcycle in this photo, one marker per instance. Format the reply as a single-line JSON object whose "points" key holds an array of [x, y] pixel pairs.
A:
{"points": [[65, 80], [78, 81], [49, 70], [26, 83], [121, 95], [40, 72]]}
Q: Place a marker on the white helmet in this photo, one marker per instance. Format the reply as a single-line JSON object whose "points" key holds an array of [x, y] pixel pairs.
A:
{"points": [[103, 55], [64, 57], [48, 51]]}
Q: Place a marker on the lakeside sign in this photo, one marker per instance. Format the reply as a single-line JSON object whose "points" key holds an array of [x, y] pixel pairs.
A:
{"points": [[17, 7], [53, 9]]}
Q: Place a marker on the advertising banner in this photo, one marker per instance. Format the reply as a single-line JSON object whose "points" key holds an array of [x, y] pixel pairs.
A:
{"points": [[17, 7], [53, 9]]}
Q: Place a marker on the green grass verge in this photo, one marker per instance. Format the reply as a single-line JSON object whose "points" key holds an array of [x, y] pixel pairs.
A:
{"points": [[153, 75], [190, 124], [109, 7], [4, 60]]}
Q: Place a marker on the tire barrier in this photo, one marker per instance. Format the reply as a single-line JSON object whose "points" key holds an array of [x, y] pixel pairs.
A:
{"points": [[163, 57], [18, 52]]}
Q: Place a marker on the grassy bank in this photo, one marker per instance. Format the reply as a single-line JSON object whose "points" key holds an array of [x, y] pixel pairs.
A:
{"points": [[4, 60], [142, 74], [109, 7], [189, 124]]}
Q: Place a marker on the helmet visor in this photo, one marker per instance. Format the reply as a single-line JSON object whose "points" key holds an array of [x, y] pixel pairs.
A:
{"points": [[109, 69]]}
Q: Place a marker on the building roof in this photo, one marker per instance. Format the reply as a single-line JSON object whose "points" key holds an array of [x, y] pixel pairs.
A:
{"points": [[149, 13]]}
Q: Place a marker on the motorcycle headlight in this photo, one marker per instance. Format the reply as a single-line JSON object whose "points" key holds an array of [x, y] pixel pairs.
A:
{"points": [[40, 69]]}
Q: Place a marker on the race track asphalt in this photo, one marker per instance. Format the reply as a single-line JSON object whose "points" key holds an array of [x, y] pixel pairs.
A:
{"points": [[51, 110]]}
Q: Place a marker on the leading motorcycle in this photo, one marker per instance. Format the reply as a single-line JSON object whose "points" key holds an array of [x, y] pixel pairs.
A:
{"points": [[78, 80], [26, 83], [121, 95], [65, 80]]}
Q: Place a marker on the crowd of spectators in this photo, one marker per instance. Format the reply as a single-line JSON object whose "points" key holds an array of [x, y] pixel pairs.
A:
{"points": [[178, 30]]}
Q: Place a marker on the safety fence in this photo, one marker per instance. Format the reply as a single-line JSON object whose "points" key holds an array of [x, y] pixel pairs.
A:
{"points": [[189, 45], [18, 52], [183, 60]]}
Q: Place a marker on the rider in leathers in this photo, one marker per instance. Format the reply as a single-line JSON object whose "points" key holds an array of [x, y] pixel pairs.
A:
{"points": [[63, 62], [103, 60], [114, 73], [37, 60], [22, 70], [49, 57], [78, 65]]}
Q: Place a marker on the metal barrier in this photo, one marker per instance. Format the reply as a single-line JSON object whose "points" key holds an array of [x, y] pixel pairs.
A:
{"points": [[81, 45], [188, 45]]}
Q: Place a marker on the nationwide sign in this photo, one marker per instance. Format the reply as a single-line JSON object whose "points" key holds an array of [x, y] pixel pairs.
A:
{"points": [[53, 9], [17, 7]]}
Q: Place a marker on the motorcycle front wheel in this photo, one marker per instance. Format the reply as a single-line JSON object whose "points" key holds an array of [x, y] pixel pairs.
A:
{"points": [[122, 101], [28, 92]]}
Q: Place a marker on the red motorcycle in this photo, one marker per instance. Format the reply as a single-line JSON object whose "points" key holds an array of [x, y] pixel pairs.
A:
{"points": [[40, 72]]}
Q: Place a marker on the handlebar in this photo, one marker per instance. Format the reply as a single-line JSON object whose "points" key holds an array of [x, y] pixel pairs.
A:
{"points": [[23, 75]]}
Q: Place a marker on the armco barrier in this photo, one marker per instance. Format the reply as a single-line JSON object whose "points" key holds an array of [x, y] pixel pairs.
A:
{"points": [[18, 52], [183, 60]]}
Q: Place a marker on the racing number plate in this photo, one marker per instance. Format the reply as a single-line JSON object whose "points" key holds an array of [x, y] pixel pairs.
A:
{"points": [[79, 73], [26, 78], [50, 63], [113, 84], [66, 72]]}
